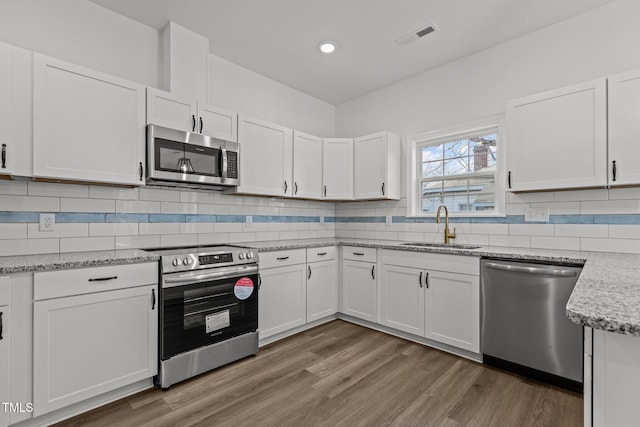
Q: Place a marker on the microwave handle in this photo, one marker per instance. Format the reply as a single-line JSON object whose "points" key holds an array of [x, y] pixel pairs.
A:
{"points": [[223, 156]]}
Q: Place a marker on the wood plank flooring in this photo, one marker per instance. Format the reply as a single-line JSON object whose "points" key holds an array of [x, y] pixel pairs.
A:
{"points": [[340, 374]]}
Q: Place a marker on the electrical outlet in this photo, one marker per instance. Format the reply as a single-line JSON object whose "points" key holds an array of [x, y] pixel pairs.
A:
{"points": [[321, 219], [388, 219], [536, 215], [249, 219], [47, 222]]}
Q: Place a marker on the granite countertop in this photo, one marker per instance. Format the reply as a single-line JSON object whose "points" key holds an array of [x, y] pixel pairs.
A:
{"points": [[44, 262], [606, 296]]}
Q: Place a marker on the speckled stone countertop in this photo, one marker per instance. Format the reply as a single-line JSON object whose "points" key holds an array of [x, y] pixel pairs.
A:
{"points": [[606, 296], [45, 262]]}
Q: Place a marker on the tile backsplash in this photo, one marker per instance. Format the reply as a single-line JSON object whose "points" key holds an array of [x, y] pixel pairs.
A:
{"points": [[95, 218]]}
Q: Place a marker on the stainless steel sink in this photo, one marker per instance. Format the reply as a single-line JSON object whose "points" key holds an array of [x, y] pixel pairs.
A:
{"points": [[441, 245]]}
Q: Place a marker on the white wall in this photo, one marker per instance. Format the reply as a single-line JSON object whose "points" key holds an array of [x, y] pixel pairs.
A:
{"points": [[600, 42]]}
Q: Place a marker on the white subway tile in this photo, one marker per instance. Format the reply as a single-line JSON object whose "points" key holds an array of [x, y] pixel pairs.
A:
{"points": [[610, 207], [267, 235], [410, 236], [29, 203], [213, 238], [59, 230], [159, 194], [424, 227], [11, 187], [489, 228], [87, 205], [204, 209], [580, 195], [142, 242], [13, 231], [60, 190], [242, 237], [289, 235], [134, 206], [158, 228], [228, 227], [559, 208], [257, 227], [29, 246], [531, 229], [178, 208], [474, 239], [104, 192], [624, 193], [610, 245], [309, 235], [281, 226], [113, 229], [515, 241], [83, 244], [228, 199], [567, 243], [168, 240], [256, 201], [386, 235], [529, 197], [517, 208], [196, 197], [581, 230], [196, 227], [631, 231]]}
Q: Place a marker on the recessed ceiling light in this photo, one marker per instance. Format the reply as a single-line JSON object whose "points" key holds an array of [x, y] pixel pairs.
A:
{"points": [[327, 47]]}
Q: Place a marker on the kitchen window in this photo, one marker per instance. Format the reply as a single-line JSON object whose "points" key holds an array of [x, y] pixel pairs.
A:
{"points": [[457, 168]]}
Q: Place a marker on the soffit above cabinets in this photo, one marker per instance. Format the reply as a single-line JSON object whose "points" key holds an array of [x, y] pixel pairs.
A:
{"points": [[279, 38]]}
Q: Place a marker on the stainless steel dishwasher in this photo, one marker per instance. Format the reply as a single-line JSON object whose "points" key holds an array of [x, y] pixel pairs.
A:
{"points": [[524, 326]]}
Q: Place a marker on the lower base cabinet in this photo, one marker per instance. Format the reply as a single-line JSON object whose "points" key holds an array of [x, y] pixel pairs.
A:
{"points": [[5, 350], [322, 283]]}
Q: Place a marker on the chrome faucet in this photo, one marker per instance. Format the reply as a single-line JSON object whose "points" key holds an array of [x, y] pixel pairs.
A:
{"points": [[447, 235]]}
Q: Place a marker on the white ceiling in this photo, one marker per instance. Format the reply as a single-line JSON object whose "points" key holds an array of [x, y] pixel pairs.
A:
{"points": [[279, 38]]}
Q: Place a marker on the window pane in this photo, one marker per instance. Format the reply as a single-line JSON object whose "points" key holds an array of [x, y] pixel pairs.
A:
{"points": [[456, 195], [456, 166], [483, 153], [431, 196], [432, 169], [433, 152]]}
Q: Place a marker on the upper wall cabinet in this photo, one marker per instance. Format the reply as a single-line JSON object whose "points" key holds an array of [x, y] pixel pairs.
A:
{"points": [[184, 113], [15, 110], [265, 157], [307, 166], [186, 62], [624, 129], [337, 168], [87, 126], [377, 166], [558, 139]]}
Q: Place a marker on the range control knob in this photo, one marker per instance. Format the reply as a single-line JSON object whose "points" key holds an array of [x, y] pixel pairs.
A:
{"points": [[241, 255], [249, 255], [187, 261], [176, 262]]}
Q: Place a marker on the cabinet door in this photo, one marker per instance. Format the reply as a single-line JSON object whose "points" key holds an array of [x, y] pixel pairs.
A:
{"points": [[337, 168], [283, 299], [401, 298], [359, 289], [90, 344], [370, 166], [186, 56], [624, 128], [87, 126], [558, 139], [171, 111], [217, 122], [266, 158], [6, 109], [452, 309], [5, 365], [322, 289], [307, 166]]}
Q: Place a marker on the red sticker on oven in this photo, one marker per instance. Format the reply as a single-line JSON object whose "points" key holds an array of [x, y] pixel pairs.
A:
{"points": [[243, 288]]}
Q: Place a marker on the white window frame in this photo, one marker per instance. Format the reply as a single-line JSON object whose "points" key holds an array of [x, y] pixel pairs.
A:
{"points": [[414, 164]]}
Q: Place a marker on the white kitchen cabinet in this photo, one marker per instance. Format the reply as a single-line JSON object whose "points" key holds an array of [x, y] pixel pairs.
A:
{"points": [[307, 166], [87, 126], [183, 113], [377, 166], [6, 109], [337, 168], [266, 158], [5, 347], [359, 283], [401, 298], [94, 342], [616, 379], [322, 282], [283, 292], [185, 57], [624, 128], [558, 139]]}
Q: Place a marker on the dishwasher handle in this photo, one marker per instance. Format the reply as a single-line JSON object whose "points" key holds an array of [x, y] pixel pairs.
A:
{"points": [[532, 270]]}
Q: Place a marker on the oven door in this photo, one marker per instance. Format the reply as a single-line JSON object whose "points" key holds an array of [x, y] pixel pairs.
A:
{"points": [[200, 308]]}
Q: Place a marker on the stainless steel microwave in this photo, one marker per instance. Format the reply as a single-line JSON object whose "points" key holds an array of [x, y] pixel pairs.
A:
{"points": [[184, 159]]}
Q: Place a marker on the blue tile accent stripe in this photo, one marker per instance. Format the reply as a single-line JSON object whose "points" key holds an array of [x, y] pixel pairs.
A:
{"points": [[81, 217]]}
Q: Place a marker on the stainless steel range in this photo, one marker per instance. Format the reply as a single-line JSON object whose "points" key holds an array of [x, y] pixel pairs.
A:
{"points": [[209, 309]]}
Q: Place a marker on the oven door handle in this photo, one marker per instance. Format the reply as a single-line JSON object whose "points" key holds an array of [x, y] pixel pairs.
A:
{"points": [[196, 277]]}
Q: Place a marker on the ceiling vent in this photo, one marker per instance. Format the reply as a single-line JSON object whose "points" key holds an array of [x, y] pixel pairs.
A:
{"points": [[415, 35]]}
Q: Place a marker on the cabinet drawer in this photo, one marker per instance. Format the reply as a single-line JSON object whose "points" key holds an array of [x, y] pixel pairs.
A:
{"points": [[435, 262], [5, 290], [359, 254], [282, 258], [56, 284], [322, 254]]}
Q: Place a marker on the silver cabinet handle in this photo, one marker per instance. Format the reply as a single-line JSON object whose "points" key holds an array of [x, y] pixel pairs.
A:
{"points": [[531, 270], [223, 175]]}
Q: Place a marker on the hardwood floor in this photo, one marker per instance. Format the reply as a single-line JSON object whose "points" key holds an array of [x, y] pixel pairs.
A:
{"points": [[340, 374]]}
